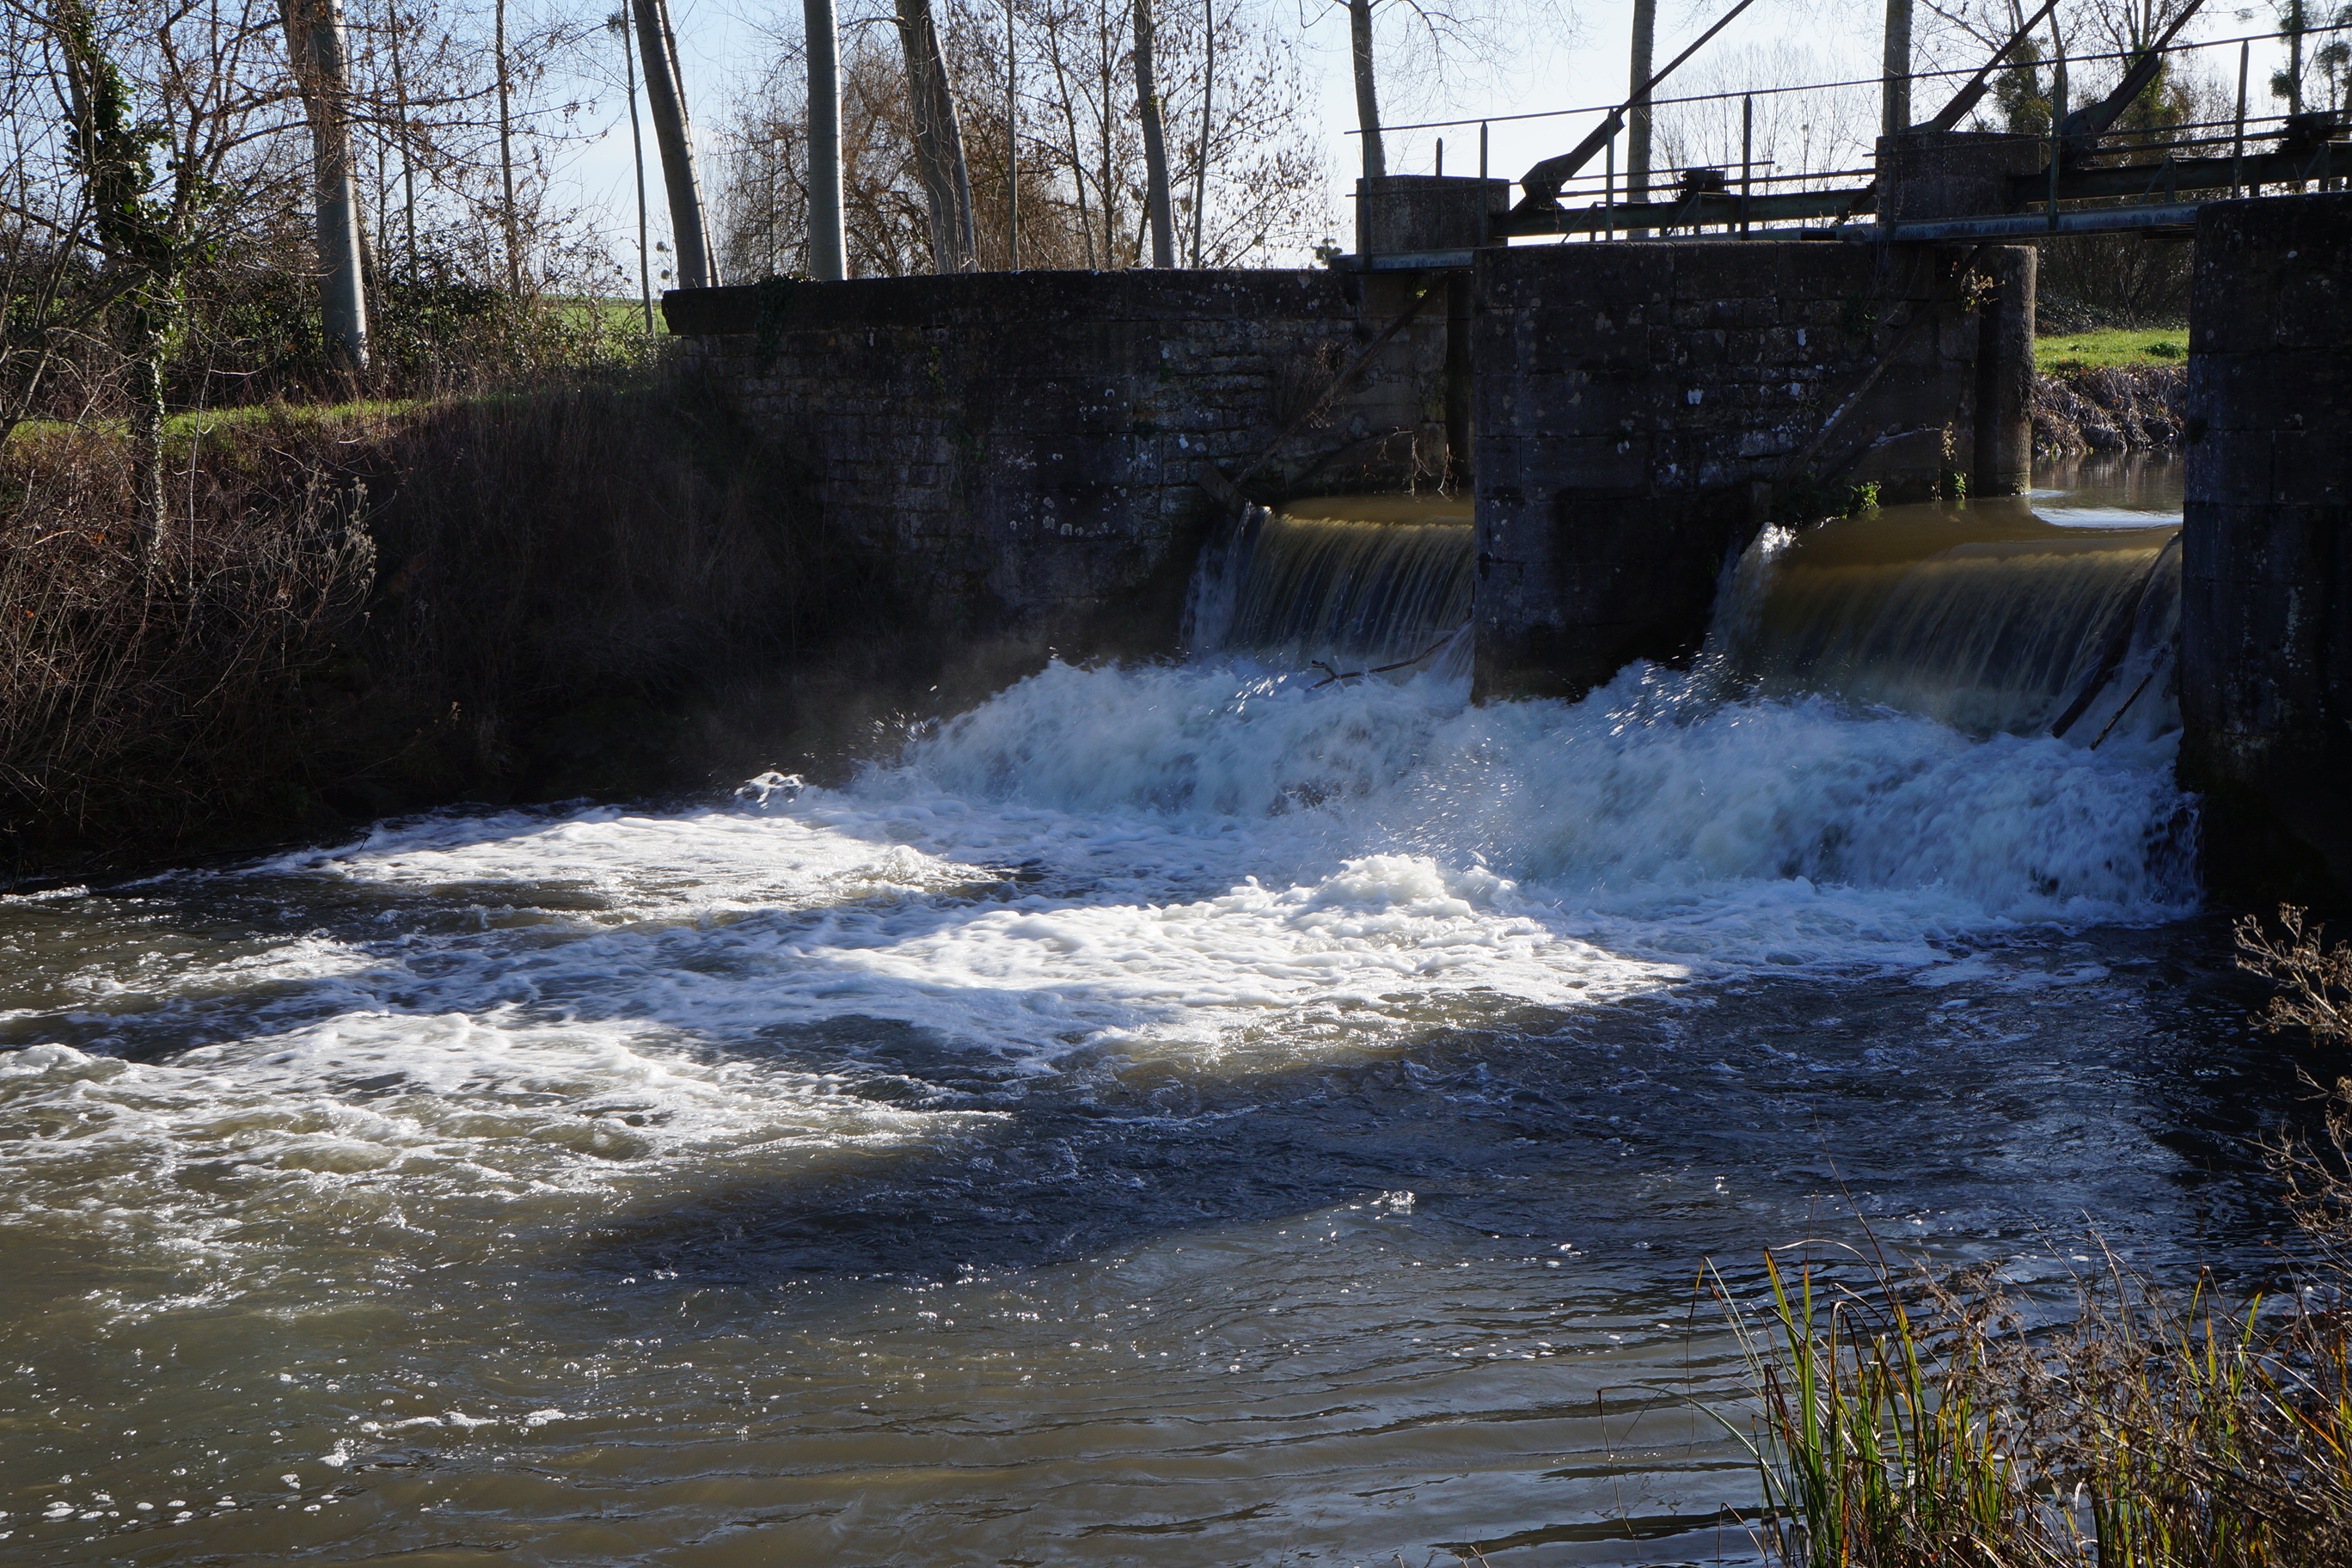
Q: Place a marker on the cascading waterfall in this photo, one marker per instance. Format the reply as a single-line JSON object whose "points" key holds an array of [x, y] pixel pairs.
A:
{"points": [[1990, 619], [1370, 580]]}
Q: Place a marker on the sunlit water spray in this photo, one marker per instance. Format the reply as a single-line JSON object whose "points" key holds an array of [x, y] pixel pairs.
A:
{"points": [[1167, 1113]]}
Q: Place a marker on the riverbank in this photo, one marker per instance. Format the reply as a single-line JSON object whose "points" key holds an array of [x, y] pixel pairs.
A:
{"points": [[2109, 408], [602, 587]]}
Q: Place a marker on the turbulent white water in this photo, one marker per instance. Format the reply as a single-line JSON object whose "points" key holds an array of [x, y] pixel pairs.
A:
{"points": [[421, 1063], [1207, 861]]}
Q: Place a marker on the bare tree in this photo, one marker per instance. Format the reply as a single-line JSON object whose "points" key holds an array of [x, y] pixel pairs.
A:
{"points": [[938, 139], [1895, 70], [764, 204], [1253, 179], [1794, 135], [1155, 143], [1367, 98], [314, 41], [1208, 102], [1639, 119], [1243, 175], [666, 102], [1420, 45]]}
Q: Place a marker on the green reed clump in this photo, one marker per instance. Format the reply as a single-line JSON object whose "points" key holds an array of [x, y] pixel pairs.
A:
{"points": [[1877, 1436], [1907, 1421]]}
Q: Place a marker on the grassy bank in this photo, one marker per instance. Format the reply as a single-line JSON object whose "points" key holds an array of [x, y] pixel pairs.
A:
{"points": [[1913, 1421], [602, 586], [2061, 352]]}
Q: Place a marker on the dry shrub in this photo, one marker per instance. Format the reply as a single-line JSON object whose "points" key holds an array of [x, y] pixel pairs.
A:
{"points": [[141, 680], [2112, 408], [600, 586], [1908, 1421]]}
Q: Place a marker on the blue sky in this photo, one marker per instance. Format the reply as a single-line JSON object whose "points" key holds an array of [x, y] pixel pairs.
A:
{"points": [[723, 45]]}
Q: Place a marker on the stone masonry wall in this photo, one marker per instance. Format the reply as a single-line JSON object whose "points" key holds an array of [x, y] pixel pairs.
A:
{"points": [[1022, 449], [1634, 402], [2266, 549]]}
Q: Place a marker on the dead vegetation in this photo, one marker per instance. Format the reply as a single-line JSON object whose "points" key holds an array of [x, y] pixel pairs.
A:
{"points": [[2110, 409], [601, 586], [1908, 1420]]}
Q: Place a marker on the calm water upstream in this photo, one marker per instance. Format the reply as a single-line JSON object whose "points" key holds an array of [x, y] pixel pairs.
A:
{"points": [[1181, 1115]]}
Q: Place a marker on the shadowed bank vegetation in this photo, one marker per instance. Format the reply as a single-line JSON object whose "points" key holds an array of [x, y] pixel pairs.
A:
{"points": [[1913, 1421], [606, 586]]}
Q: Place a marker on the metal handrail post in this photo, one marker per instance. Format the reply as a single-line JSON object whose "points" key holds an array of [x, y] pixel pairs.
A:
{"points": [[2237, 156], [1746, 156]]}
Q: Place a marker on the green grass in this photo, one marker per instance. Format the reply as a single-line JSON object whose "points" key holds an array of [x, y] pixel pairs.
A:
{"points": [[2061, 351], [203, 423], [617, 315]]}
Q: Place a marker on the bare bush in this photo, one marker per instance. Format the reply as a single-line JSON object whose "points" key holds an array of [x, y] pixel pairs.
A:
{"points": [[603, 584]]}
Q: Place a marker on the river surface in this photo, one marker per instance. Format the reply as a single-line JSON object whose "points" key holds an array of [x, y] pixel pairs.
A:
{"points": [[1177, 1115]]}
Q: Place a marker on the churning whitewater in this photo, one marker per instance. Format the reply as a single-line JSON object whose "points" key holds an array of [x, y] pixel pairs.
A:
{"points": [[1051, 942], [1210, 861]]}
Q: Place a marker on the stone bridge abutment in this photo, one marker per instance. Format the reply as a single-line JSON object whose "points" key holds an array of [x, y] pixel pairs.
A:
{"points": [[1039, 455]]}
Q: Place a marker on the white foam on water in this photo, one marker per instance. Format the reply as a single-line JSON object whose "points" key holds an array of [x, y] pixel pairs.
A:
{"points": [[1217, 865], [343, 1149], [645, 866]]}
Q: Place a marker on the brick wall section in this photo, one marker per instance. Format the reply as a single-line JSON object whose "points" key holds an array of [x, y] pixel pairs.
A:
{"points": [[1629, 397], [2266, 549], [1021, 448]]}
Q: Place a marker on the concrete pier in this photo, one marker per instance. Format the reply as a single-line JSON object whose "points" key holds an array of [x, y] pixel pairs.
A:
{"points": [[1642, 409], [1027, 450], [2266, 616]]}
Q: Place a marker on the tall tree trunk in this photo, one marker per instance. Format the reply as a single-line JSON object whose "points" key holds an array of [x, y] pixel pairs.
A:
{"points": [[825, 259], [938, 140], [1155, 143], [506, 154], [2296, 24], [407, 154], [1894, 91], [314, 41], [1637, 119], [1011, 145], [1207, 96], [620, 24], [1368, 103], [666, 102]]}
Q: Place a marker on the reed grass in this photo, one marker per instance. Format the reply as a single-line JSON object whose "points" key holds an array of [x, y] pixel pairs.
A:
{"points": [[1907, 1420]]}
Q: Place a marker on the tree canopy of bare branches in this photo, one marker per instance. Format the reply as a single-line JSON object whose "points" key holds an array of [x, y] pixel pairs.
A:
{"points": [[1083, 180]]}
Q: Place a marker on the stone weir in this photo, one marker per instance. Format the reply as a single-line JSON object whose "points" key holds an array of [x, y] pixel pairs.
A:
{"points": [[1039, 455], [2266, 592], [1026, 450], [1642, 409]]}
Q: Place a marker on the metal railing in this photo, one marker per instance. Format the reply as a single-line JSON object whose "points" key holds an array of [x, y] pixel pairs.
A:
{"points": [[2139, 167]]}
